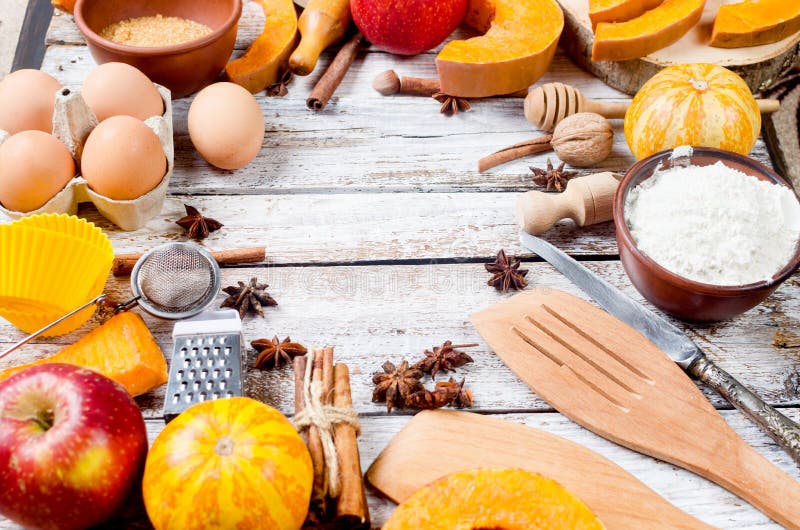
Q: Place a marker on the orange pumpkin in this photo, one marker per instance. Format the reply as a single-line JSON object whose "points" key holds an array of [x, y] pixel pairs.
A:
{"points": [[225, 464], [122, 349], [702, 105], [511, 499]]}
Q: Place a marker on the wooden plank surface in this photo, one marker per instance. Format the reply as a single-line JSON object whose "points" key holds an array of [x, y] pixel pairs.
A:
{"points": [[374, 313]]}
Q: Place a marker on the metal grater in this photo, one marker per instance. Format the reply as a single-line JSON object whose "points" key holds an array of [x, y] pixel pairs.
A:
{"points": [[206, 361]]}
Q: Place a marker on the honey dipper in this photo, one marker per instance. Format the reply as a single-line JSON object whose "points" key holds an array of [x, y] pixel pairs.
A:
{"points": [[548, 104], [586, 200]]}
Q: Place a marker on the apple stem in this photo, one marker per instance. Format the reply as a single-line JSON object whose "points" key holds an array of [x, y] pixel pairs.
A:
{"points": [[44, 419]]}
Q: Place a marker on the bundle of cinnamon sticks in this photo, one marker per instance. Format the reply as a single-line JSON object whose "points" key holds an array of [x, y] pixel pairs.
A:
{"points": [[347, 507]]}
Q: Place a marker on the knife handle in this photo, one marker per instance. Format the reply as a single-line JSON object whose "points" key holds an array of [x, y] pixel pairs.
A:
{"points": [[779, 427]]}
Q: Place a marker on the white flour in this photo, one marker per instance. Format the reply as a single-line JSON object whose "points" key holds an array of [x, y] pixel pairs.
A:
{"points": [[714, 224]]}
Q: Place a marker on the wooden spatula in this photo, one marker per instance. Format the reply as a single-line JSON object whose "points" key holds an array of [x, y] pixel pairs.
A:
{"points": [[425, 450], [602, 374]]}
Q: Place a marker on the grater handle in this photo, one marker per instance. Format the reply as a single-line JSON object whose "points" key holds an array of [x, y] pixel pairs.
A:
{"points": [[209, 322]]}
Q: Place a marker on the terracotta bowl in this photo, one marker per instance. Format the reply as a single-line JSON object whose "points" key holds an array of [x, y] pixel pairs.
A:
{"points": [[183, 68], [674, 294]]}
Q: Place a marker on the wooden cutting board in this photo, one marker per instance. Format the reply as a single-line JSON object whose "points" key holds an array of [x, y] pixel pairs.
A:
{"points": [[759, 66], [436, 443]]}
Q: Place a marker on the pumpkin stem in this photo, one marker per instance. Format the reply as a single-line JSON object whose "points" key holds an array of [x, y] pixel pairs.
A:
{"points": [[224, 446], [699, 84]]}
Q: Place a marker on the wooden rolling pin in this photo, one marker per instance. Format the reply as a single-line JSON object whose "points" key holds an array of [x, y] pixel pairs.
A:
{"points": [[586, 200], [123, 263], [322, 23], [548, 104]]}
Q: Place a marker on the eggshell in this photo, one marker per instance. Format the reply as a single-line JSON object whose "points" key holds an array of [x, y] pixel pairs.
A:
{"points": [[26, 101], [123, 159], [226, 125], [114, 89], [34, 167]]}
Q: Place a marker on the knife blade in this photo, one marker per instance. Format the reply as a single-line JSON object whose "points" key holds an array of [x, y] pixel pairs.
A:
{"points": [[663, 334], [673, 342]]}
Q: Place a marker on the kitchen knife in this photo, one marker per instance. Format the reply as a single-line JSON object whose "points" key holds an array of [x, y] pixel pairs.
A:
{"points": [[673, 342]]}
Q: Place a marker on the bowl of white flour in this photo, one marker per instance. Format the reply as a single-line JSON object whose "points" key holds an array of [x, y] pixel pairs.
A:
{"points": [[706, 234]]}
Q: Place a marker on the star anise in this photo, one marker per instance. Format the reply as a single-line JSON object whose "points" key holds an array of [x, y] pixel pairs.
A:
{"points": [[274, 353], [198, 226], [248, 297], [444, 358], [506, 273], [445, 393], [279, 88], [395, 384], [451, 104], [552, 179]]}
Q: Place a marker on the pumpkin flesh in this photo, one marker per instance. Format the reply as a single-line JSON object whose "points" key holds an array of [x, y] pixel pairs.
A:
{"points": [[229, 463], [518, 44], [655, 29], [702, 105], [618, 10], [755, 22], [508, 499], [266, 58], [122, 349]]}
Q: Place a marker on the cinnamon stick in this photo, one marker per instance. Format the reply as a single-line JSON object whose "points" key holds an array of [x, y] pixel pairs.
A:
{"points": [[315, 442], [389, 83], [529, 147], [336, 71], [326, 356], [352, 510], [124, 263], [299, 401]]}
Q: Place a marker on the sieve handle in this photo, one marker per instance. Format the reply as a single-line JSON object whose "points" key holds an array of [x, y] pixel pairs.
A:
{"points": [[50, 325], [124, 263]]}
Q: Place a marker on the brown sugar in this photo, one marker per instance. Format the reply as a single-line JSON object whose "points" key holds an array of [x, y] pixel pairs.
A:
{"points": [[154, 31]]}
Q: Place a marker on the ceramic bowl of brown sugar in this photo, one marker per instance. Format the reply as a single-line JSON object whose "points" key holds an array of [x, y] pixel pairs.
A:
{"points": [[674, 294], [143, 33]]}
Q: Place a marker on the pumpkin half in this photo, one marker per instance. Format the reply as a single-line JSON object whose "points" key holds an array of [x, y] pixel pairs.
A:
{"points": [[518, 43], [266, 58], [655, 29], [508, 499], [229, 463], [755, 22], [618, 10], [702, 105], [122, 349]]}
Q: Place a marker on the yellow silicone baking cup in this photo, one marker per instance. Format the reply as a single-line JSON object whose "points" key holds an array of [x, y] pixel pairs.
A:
{"points": [[49, 265]]}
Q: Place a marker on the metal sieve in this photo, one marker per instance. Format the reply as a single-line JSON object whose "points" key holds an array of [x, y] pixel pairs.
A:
{"points": [[171, 281]]}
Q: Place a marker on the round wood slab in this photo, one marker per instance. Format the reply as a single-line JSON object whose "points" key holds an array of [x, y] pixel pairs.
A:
{"points": [[759, 66]]}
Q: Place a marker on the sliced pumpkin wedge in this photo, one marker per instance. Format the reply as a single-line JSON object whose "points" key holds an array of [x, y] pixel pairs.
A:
{"points": [[266, 58], [518, 44], [755, 22], [618, 10], [656, 29]]}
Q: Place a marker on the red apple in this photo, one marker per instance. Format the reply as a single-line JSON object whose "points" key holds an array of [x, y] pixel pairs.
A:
{"points": [[72, 445], [407, 27]]}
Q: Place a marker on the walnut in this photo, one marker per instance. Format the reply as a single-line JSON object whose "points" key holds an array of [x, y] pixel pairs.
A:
{"points": [[583, 139]]}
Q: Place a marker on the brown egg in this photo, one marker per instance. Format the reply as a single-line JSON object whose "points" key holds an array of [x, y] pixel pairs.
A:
{"points": [[226, 125], [113, 89], [123, 159], [26, 101], [34, 167]]}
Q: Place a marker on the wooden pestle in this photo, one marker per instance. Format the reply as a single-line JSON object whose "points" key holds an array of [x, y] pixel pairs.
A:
{"points": [[322, 23], [548, 104], [586, 200]]}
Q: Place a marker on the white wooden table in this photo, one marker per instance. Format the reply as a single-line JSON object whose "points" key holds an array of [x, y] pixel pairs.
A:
{"points": [[377, 225]]}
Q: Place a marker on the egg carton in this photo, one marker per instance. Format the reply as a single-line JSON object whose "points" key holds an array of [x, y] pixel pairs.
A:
{"points": [[73, 120]]}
